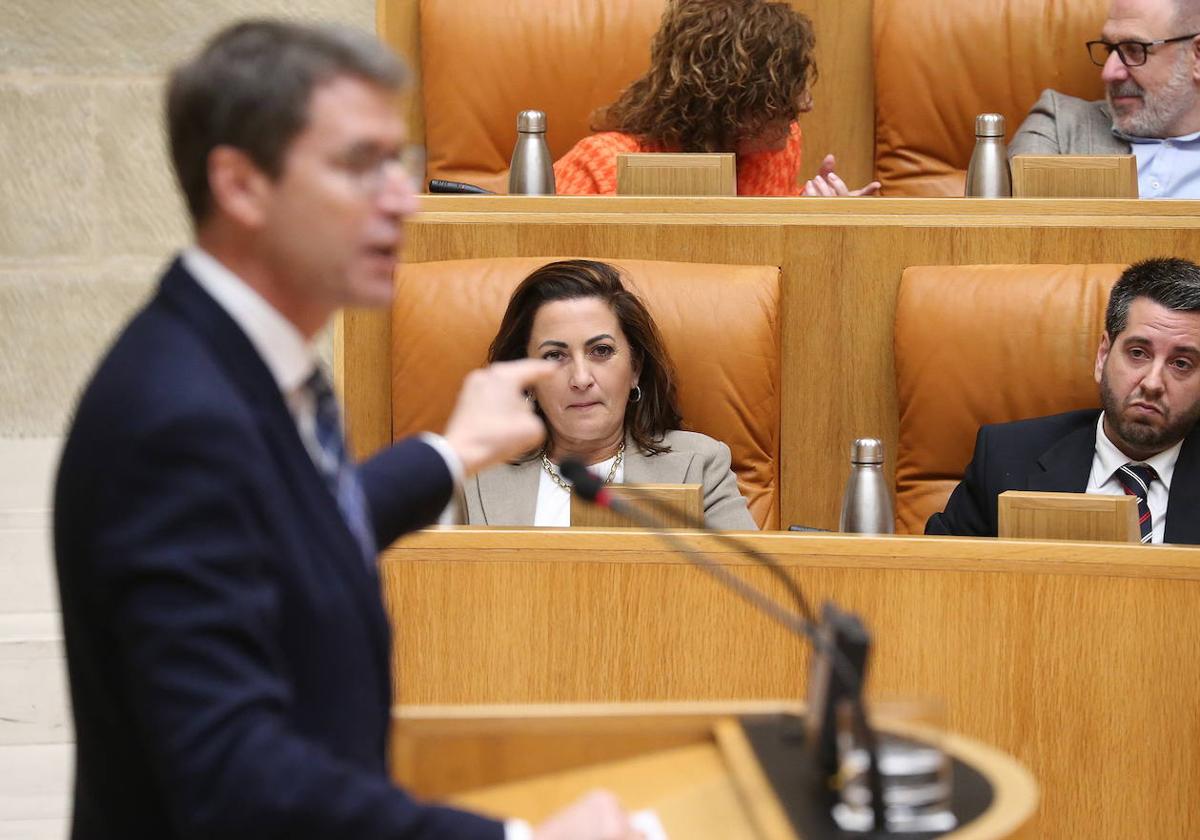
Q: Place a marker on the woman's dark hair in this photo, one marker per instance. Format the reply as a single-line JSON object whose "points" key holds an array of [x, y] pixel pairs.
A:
{"points": [[657, 412], [721, 71]]}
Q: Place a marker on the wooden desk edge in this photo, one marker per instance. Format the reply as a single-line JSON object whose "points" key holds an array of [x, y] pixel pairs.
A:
{"points": [[958, 554], [1015, 792]]}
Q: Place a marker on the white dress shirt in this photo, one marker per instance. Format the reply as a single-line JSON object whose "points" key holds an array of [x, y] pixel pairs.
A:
{"points": [[1167, 167], [554, 503], [1108, 459]]}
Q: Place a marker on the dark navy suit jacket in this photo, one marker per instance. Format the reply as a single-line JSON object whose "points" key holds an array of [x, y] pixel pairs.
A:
{"points": [[1053, 454], [227, 646]]}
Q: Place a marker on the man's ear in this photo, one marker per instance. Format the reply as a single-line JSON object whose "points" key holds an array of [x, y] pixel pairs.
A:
{"points": [[1194, 46], [240, 190], [1102, 355]]}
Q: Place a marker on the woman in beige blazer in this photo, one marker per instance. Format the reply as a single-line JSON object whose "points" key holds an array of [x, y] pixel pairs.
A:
{"points": [[611, 404]]}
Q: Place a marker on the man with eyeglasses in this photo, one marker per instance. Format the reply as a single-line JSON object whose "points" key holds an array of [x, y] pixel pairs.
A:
{"points": [[216, 547], [1149, 52]]}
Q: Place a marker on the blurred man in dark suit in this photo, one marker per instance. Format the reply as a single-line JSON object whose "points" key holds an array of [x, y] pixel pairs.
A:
{"points": [[216, 548], [1149, 52], [1142, 442]]}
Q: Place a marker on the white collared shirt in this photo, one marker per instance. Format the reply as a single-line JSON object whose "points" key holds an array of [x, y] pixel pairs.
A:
{"points": [[1168, 167], [554, 503], [289, 357], [1108, 459]]}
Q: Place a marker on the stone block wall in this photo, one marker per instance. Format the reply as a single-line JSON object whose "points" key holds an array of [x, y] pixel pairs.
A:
{"points": [[88, 207], [88, 216]]}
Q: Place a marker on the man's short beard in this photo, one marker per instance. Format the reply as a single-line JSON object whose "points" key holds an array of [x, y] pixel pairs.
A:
{"points": [[1161, 110], [1141, 436]]}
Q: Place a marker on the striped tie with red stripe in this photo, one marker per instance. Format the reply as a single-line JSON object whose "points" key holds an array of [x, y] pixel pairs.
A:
{"points": [[1135, 481]]}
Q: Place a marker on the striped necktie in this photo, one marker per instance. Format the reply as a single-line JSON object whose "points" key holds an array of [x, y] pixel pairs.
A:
{"points": [[1135, 481], [336, 467]]}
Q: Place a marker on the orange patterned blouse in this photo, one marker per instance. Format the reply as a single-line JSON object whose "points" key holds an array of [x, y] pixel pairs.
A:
{"points": [[590, 168]]}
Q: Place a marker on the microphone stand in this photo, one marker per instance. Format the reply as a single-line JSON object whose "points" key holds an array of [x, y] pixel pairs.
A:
{"points": [[593, 490]]}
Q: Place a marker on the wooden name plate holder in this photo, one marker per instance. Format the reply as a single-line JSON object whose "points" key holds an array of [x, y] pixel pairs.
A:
{"points": [[688, 499], [1074, 176], [701, 766], [682, 174], [1088, 517]]}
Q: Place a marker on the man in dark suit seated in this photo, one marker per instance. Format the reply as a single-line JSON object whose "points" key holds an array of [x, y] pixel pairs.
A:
{"points": [[1150, 54], [216, 548], [1142, 442]]}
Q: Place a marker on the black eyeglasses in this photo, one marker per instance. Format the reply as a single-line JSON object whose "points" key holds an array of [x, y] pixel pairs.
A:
{"points": [[1131, 53]]}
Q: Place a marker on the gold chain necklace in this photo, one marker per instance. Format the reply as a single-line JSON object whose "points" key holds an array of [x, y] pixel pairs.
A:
{"points": [[558, 479]]}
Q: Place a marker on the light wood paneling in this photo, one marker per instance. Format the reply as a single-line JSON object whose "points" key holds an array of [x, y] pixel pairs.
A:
{"points": [[1074, 176], [397, 24], [841, 262], [439, 751], [686, 501], [529, 761], [676, 174], [689, 788], [1080, 660], [1068, 516], [842, 120]]}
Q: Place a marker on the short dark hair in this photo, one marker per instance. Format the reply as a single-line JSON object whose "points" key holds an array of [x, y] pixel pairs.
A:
{"points": [[657, 412], [1168, 281], [250, 88]]}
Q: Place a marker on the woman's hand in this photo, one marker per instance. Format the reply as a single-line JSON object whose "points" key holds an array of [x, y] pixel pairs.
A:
{"points": [[827, 184]]}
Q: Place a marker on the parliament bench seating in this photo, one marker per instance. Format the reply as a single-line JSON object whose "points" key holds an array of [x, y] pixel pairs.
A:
{"points": [[900, 83]]}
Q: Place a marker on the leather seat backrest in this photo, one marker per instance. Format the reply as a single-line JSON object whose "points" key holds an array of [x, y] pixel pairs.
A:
{"points": [[939, 63], [484, 61], [986, 344], [720, 324]]}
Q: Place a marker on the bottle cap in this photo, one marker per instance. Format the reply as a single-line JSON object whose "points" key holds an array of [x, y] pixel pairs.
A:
{"points": [[866, 451], [531, 121], [989, 125]]}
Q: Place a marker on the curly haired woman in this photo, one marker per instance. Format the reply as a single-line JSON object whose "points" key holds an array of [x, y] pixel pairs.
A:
{"points": [[725, 76]]}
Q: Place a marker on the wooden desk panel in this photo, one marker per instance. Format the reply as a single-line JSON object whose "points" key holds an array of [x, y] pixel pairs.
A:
{"points": [[841, 263], [691, 762], [1080, 660]]}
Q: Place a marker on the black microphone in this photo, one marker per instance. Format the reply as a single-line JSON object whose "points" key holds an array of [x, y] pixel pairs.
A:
{"points": [[839, 639], [439, 185]]}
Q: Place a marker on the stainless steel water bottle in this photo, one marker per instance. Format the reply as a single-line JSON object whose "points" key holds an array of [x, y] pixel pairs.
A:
{"points": [[867, 503], [988, 175], [532, 170]]}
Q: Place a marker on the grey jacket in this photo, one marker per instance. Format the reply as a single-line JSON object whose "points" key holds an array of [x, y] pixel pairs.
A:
{"points": [[1066, 125], [507, 494]]}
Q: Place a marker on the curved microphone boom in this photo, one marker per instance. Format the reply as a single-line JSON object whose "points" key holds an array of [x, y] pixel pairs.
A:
{"points": [[592, 489]]}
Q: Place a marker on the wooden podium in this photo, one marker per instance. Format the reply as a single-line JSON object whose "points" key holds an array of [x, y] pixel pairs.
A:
{"points": [[1066, 656], [690, 762]]}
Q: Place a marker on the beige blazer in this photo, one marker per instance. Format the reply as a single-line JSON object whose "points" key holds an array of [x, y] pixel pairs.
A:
{"points": [[1066, 125], [507, 494]]}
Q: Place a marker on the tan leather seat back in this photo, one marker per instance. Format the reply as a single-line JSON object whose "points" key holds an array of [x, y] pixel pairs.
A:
{"points": [[939, 63], [484, 61], [986, 344], [720, 324]]}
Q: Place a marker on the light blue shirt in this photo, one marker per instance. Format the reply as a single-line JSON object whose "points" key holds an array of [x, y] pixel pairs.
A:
{"points": [[1167, 168]]}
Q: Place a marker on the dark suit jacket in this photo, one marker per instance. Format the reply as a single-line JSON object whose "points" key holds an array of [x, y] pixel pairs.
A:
{"points": [[1053, 454], [227, 647]]}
